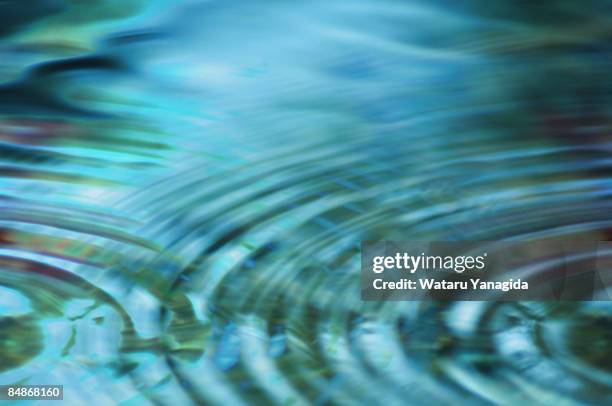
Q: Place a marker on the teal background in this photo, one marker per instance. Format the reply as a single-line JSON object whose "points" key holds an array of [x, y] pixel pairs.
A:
{"points": [[184, 187]]}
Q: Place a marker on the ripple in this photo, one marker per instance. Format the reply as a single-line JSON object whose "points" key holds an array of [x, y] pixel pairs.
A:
{"points": [[185, 187]]}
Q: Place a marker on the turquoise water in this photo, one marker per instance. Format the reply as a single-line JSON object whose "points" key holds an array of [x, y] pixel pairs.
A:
{"points": [[184, 187]]}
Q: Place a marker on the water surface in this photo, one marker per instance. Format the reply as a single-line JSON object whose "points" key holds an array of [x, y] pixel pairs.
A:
{"points": [[184, 187]]}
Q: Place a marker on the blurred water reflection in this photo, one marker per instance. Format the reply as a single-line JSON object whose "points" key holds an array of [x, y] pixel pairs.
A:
{"points": [[184, 187]]}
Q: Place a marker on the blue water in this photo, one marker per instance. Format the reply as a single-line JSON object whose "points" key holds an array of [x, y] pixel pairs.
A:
{"points": [[184, 186]]}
